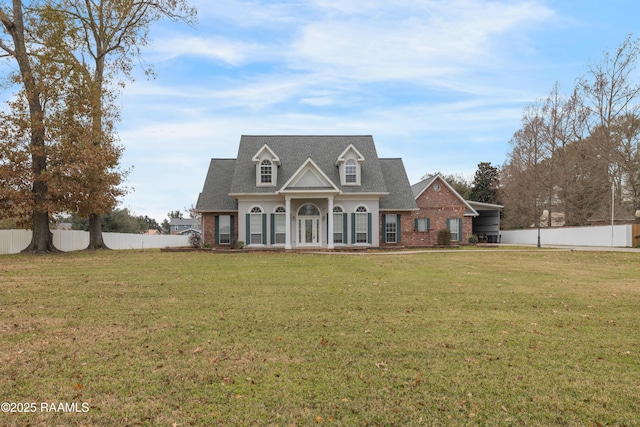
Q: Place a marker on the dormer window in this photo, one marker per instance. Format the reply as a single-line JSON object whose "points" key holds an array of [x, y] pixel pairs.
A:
{"points": [[267, 163], [350, 172], [349, 163], [266, 171]]}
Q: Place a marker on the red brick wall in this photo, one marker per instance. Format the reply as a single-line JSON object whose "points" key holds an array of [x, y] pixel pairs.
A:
{"points": [[438, 206], [209, 228], [406, 226]]}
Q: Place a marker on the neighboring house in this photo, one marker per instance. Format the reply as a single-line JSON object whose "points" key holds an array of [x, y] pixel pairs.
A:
{"points": [[440, 206], [185, 226], [306, 192]]}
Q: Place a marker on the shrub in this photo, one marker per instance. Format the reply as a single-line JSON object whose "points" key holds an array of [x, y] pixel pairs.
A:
{"points": [[444, 237], [239, 244], [195, 240], [473, 239]]}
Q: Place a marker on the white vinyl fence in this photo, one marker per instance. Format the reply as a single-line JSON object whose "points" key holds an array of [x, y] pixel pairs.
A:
{"points": [[606, 235], [13, 241]]}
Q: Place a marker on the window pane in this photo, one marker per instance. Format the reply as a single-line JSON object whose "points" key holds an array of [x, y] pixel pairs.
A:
{"points": [[225, 229], [265, 172], [453, 227], [280, 228], [390, 228], [350, 171], [361, 227], [337, 228], [256, 228]]}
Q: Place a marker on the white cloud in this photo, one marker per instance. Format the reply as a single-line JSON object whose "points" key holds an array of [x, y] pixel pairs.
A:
{"points": [[327, 67], [413, 41], [224, 49]]}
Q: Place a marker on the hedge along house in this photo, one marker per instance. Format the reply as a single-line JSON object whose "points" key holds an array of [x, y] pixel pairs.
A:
{"points": [[440, 206], [306, 192]]}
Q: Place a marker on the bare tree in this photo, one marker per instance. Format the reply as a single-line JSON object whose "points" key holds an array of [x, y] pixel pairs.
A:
{"points": [[611, 97]]}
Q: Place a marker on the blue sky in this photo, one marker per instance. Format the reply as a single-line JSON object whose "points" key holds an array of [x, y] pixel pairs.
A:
{"points": [[439, 83]]}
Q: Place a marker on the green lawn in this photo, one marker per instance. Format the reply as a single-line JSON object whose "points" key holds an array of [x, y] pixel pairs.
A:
{"points": [[532, 338]]}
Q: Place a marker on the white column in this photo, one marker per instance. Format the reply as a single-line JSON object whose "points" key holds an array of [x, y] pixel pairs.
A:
{"points": [[330, 223], [287, 222]]}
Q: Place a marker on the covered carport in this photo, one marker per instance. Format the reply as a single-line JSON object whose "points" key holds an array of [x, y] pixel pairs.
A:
{"points": [[487, 224]]}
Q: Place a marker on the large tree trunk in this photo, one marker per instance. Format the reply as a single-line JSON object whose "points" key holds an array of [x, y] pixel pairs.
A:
{"points": [[42, 240], [95, 233]]}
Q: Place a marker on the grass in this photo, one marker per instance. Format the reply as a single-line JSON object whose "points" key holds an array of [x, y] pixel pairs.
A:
{"points": [[494, 338]]}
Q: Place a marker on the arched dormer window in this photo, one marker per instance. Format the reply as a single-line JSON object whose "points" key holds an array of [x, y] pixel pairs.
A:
{"points": [[266, 172], [350, 164], [266, 163], [350, 172]]}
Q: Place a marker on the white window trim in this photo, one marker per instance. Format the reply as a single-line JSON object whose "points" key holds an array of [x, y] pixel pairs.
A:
{"points": [[220, 234], [364, 213], [275, 233], [264, 164], [274, 172], [343, 172], [458, 231], [333, 232], [393, 223], [251, 233]]}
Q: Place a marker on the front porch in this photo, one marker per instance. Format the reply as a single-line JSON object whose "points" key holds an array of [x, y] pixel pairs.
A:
{"points": [[309, 221]]}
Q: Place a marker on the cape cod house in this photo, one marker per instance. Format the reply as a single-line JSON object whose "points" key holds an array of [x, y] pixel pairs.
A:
{"points": [[305, 191], [324, 192]]}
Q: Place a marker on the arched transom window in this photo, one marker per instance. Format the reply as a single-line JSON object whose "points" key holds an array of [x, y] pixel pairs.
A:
{"points": [[308, 210]]}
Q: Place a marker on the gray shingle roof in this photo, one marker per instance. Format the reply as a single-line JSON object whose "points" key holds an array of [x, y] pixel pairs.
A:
{"points": [[294, 150], [238, 176], [419, 187], [215, 192], [400, 195]]}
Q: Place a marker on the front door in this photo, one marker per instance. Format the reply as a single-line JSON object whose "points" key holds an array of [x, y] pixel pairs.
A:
{"points": [[309, 226]]}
